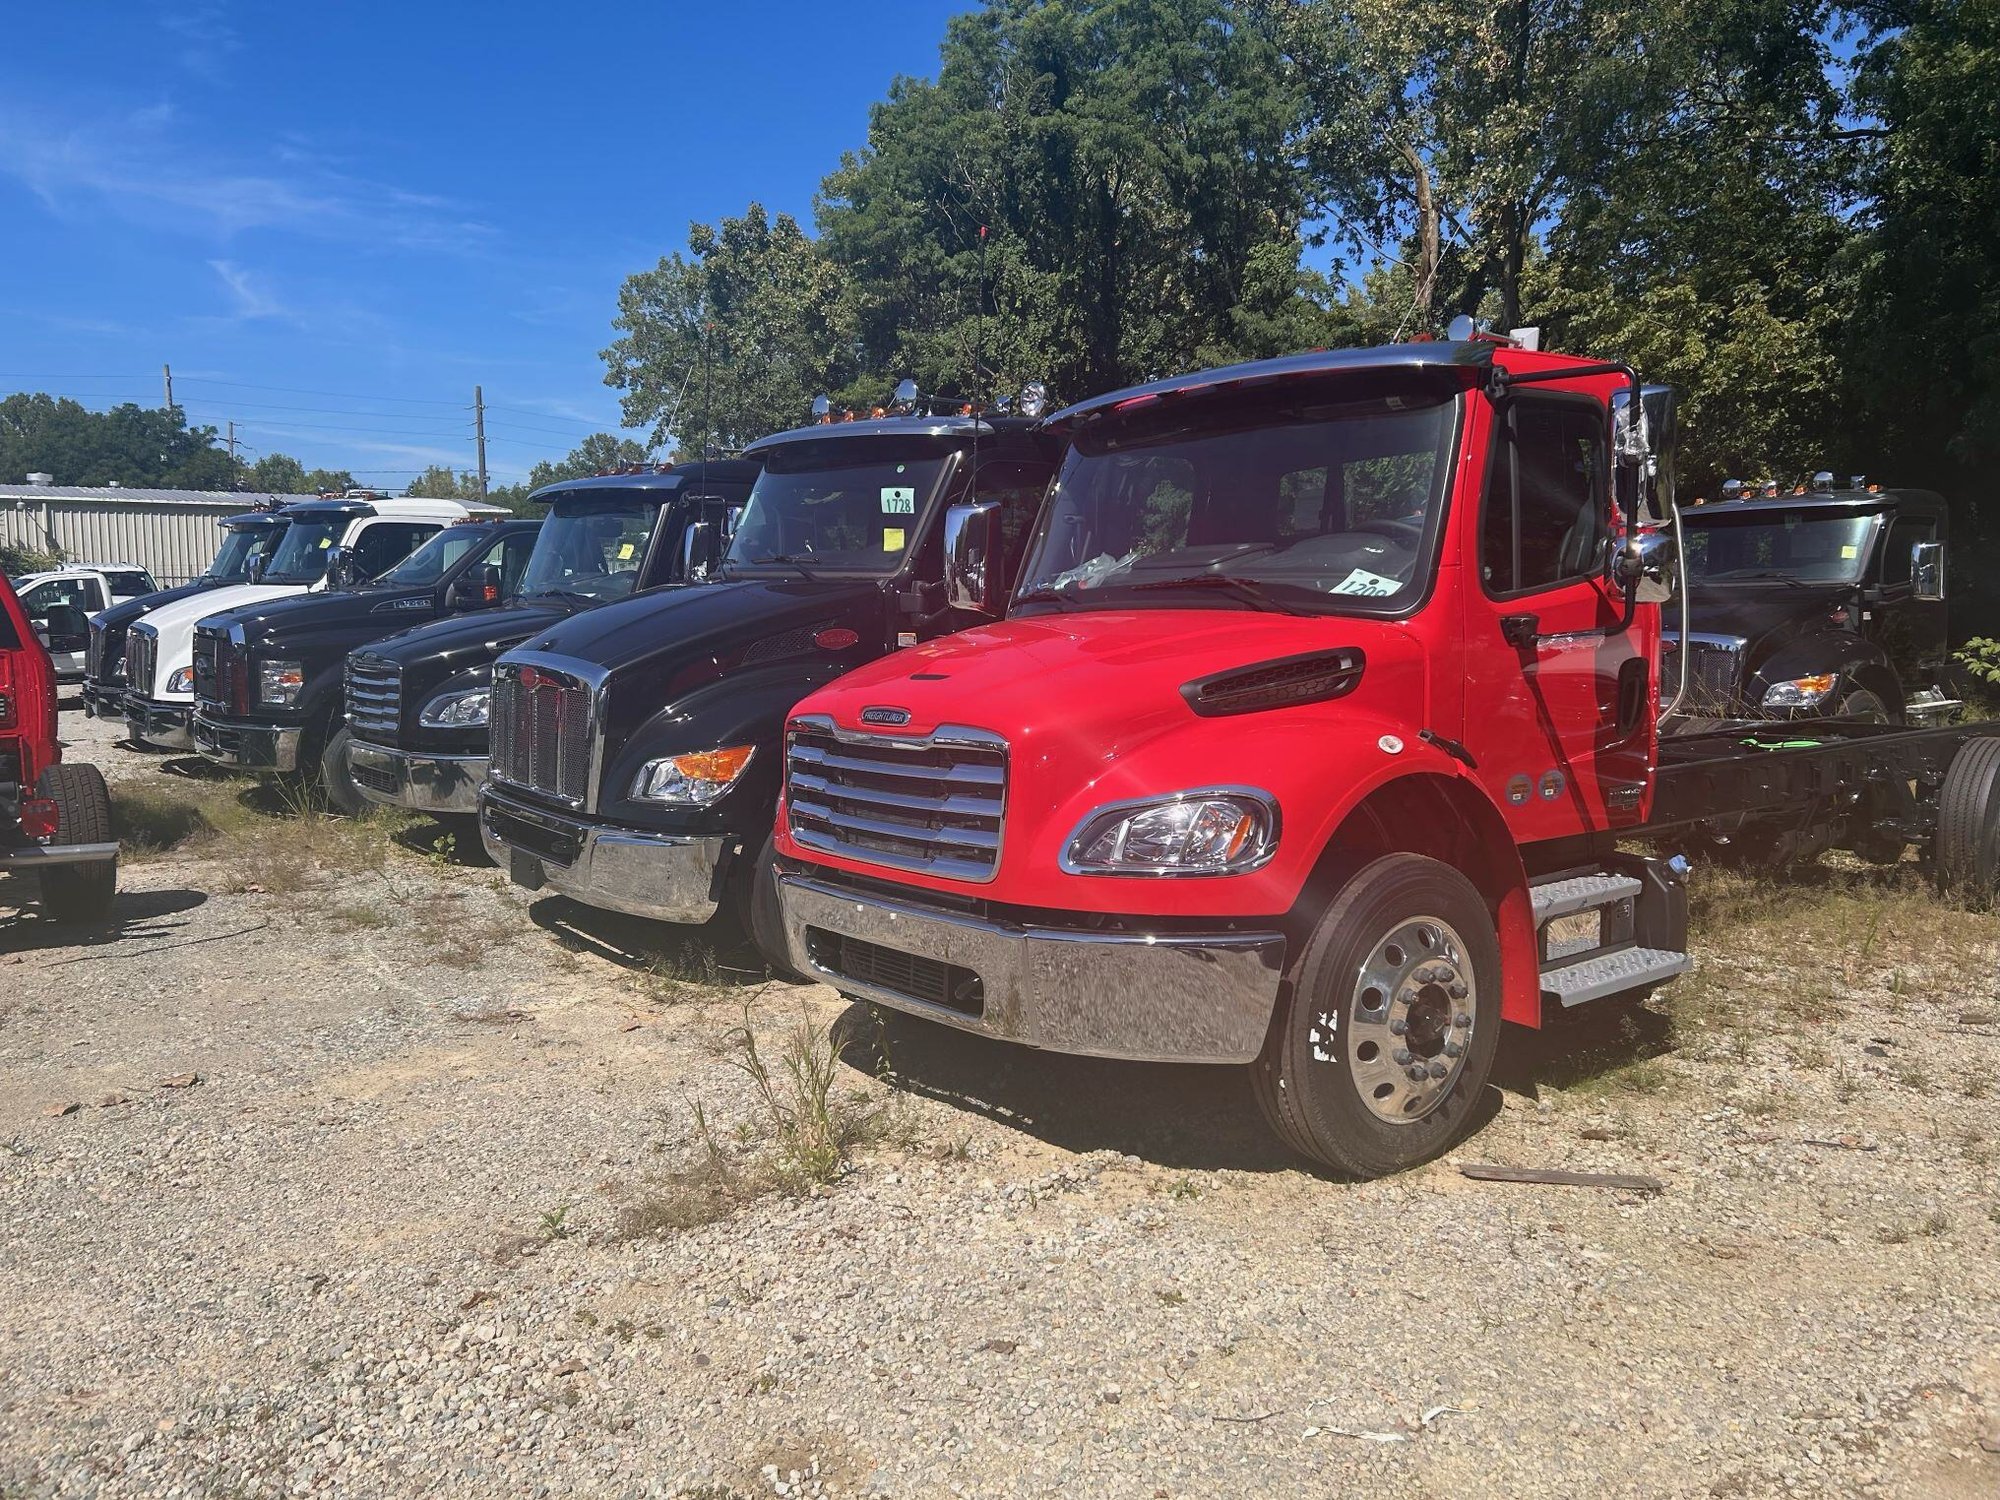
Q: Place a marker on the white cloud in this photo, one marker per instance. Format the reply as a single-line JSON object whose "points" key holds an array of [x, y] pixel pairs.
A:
{"points": [[253, 299]]}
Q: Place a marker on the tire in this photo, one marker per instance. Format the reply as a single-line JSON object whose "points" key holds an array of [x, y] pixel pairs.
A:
{"points": [[1372, 940], [1966, 847], [1866, 706], [342, 795], [79, 893], [764, 916]]}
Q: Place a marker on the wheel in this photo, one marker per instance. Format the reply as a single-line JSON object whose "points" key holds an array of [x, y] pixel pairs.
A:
{"points": [[342, 795], [1966, 846], [1863, 705], [79, 893], [1378, 1059], [765, 915]]}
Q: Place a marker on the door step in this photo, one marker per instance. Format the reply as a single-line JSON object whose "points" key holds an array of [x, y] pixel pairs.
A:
{"points": [[1608, 974], [1562, 898]]}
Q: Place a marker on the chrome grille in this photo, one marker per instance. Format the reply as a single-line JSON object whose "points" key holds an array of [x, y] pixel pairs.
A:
{"points": [[374, 698], [140, 652], [211, 669], [933, 803], [540, 731], [1714, 676], [93, 653]]}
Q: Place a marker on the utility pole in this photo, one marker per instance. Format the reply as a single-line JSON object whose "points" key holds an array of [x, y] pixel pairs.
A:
{"points": [[479, 426], [168, 372], [232, 439]]}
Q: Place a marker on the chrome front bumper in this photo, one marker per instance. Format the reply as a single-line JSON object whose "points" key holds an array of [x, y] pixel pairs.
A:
{"points": [[161, 724], [1166, 997], [655, 875], [247, 747], [421, 783]]}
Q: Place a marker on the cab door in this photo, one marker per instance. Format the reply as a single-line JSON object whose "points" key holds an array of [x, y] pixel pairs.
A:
{"points": [[1559, 713]]}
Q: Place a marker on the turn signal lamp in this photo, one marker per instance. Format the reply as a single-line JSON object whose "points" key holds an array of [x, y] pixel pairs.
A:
{"points": [[695, 779]]}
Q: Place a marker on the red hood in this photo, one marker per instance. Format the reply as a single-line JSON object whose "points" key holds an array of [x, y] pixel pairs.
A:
{"points": [[1090, 706]]}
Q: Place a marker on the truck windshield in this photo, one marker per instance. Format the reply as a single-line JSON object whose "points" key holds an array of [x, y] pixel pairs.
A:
{"points": [[1326, 505], [301, 556], [430, 562], [1794, 544], [591, 546], [239, 545], [839, 506]]}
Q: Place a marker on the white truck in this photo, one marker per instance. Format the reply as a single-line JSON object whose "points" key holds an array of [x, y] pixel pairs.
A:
{"points": [[327, 544], [60, 601]]}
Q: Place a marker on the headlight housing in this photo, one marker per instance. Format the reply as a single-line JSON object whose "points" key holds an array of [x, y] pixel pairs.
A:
{"points": [[1800, 692], [465, 709], [695, 779], [279, 683], [1219, 831], [182, 681]]}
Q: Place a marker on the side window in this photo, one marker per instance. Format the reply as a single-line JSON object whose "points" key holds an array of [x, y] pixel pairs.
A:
{"points": [[1904, 533], [385, 543], [510, 556], [1546, 516]]}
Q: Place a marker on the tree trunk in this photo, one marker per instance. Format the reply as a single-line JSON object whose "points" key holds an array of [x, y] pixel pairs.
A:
{"points": [[1428, 252]]}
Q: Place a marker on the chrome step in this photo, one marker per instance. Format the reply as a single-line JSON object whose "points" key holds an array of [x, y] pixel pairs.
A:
{"points": [[1562, 898], [1612, 974]]}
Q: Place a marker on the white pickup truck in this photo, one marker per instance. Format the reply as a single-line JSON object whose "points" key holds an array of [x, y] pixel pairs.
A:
{"points": [[358, 537], [60, 602]]}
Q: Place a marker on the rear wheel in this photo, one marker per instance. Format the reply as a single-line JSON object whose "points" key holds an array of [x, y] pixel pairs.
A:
{"points": [[342, 793], [1378, 1059], [79, 893], [1967, 842]]}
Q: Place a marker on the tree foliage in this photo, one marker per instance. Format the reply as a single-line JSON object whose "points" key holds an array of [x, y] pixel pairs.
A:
{"points": [[128, 445]]}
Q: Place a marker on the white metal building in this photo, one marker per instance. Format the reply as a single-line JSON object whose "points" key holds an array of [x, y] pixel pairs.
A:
{"points": [[170, 533]]}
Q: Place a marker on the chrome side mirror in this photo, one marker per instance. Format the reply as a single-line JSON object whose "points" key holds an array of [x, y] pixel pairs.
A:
{"points": [[699, 552], [343, 568], [1649, 561], [254, 570], [1927, 570], [972, 559]]}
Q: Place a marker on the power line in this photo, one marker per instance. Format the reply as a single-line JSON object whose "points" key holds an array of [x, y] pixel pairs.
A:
{"points": [[292, 390]]}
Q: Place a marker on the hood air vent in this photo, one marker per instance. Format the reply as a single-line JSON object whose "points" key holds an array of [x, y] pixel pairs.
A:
{"points": [[1284, 683]]}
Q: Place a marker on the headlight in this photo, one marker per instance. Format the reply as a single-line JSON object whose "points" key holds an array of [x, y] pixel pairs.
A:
{"points": [[460, 710], [1222, 832], [278, 683], [697, 778], [181, 681], [1799, 692]]}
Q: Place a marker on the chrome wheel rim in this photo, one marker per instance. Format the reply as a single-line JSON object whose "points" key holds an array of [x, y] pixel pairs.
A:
{"points": [[1411, 1020]]}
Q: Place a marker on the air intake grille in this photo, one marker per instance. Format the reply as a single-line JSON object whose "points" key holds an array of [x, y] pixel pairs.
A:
{"points": [[540, 732], [1714, 681], [933, 803], [374, 698], [925, 979], [211, 670], [139, 654]]}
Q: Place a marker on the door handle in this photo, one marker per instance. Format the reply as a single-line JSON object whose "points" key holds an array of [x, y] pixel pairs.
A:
{"points": [[1519, 631]]}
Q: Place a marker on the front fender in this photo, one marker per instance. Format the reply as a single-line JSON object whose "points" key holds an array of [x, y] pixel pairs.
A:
{"points": [[1858, 661]]}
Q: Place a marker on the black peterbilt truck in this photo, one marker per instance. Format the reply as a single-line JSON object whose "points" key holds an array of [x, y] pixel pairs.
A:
{"points": [[417, 701], [268, 677], [637, 749], [250, 535], [1826, 604]]}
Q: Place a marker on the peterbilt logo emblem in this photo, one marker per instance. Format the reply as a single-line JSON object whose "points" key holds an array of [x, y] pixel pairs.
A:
{"points": [[528, 678], [885, 716]]}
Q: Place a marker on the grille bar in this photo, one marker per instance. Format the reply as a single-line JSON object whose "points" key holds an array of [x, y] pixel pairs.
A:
{"points": [[374, 698], [139, 654], [211, 663], [934, 803], [541, 736]]}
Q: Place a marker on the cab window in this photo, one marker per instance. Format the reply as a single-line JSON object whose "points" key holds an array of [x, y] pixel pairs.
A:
{"points": [[383, 544], [1546, 516]]}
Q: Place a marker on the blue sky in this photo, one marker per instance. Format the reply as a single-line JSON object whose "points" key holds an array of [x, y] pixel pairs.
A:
{"points": [[333, 220]]}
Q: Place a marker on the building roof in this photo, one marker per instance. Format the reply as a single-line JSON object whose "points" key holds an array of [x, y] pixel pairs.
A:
{"points": [[120, 495]]}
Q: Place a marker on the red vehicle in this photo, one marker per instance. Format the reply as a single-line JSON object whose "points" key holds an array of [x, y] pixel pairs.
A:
{"points": [[1323, 704], [55, 820]]}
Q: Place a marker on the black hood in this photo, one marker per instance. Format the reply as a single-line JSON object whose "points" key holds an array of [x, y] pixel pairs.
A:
{"points": [[312, 619], [127, 610], [461, 639], [701, 619], [1765, 614]]}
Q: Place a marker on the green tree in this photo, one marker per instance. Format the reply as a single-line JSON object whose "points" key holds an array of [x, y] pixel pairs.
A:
{"points": [[734, 339], [442, 482], [323, 481], [278, 474], [594, 455], [1131, 162], [128, 445]]}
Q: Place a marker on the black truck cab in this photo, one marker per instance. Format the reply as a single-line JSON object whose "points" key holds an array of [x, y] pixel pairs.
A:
{"points": [[1823, 604], [269, 676], [251, 535], [636, 750], [417, 701]]}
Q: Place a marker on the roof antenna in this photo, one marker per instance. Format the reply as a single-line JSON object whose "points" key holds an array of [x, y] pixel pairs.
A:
{"points": [[978, 367], [707, 410]]}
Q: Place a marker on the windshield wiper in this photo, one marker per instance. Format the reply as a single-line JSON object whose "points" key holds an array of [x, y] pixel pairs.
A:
{"points": [[1797, 583], [785, 559], [1253, 594], [1047, 593]]}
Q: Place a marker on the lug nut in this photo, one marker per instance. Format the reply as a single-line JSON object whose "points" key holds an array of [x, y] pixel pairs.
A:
{"points": [[1438, 1070], [1461, 1021], [1402, 1055], [1452, 1049], [1398, 1026], [1458, 990], [1417, 1074]]}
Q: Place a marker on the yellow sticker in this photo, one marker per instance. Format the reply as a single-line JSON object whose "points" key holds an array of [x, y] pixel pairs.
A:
{"points": [[325, 542], [892, 539], [625, 552], [1848, 554]]}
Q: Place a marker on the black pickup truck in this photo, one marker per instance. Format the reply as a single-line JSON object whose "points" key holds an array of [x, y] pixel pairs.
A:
{"points": [[250, 535], [637, 749], [416, 702], [268, 677], [1827, 604]]}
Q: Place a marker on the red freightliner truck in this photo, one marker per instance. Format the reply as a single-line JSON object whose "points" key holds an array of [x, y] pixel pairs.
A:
{"points": [[1317, 735]]}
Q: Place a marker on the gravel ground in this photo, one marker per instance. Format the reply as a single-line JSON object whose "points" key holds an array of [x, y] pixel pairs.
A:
{"points": [[330, 1189]]}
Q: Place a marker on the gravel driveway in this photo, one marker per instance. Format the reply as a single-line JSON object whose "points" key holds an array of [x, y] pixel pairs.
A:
{"points": [[365, 1185]]}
